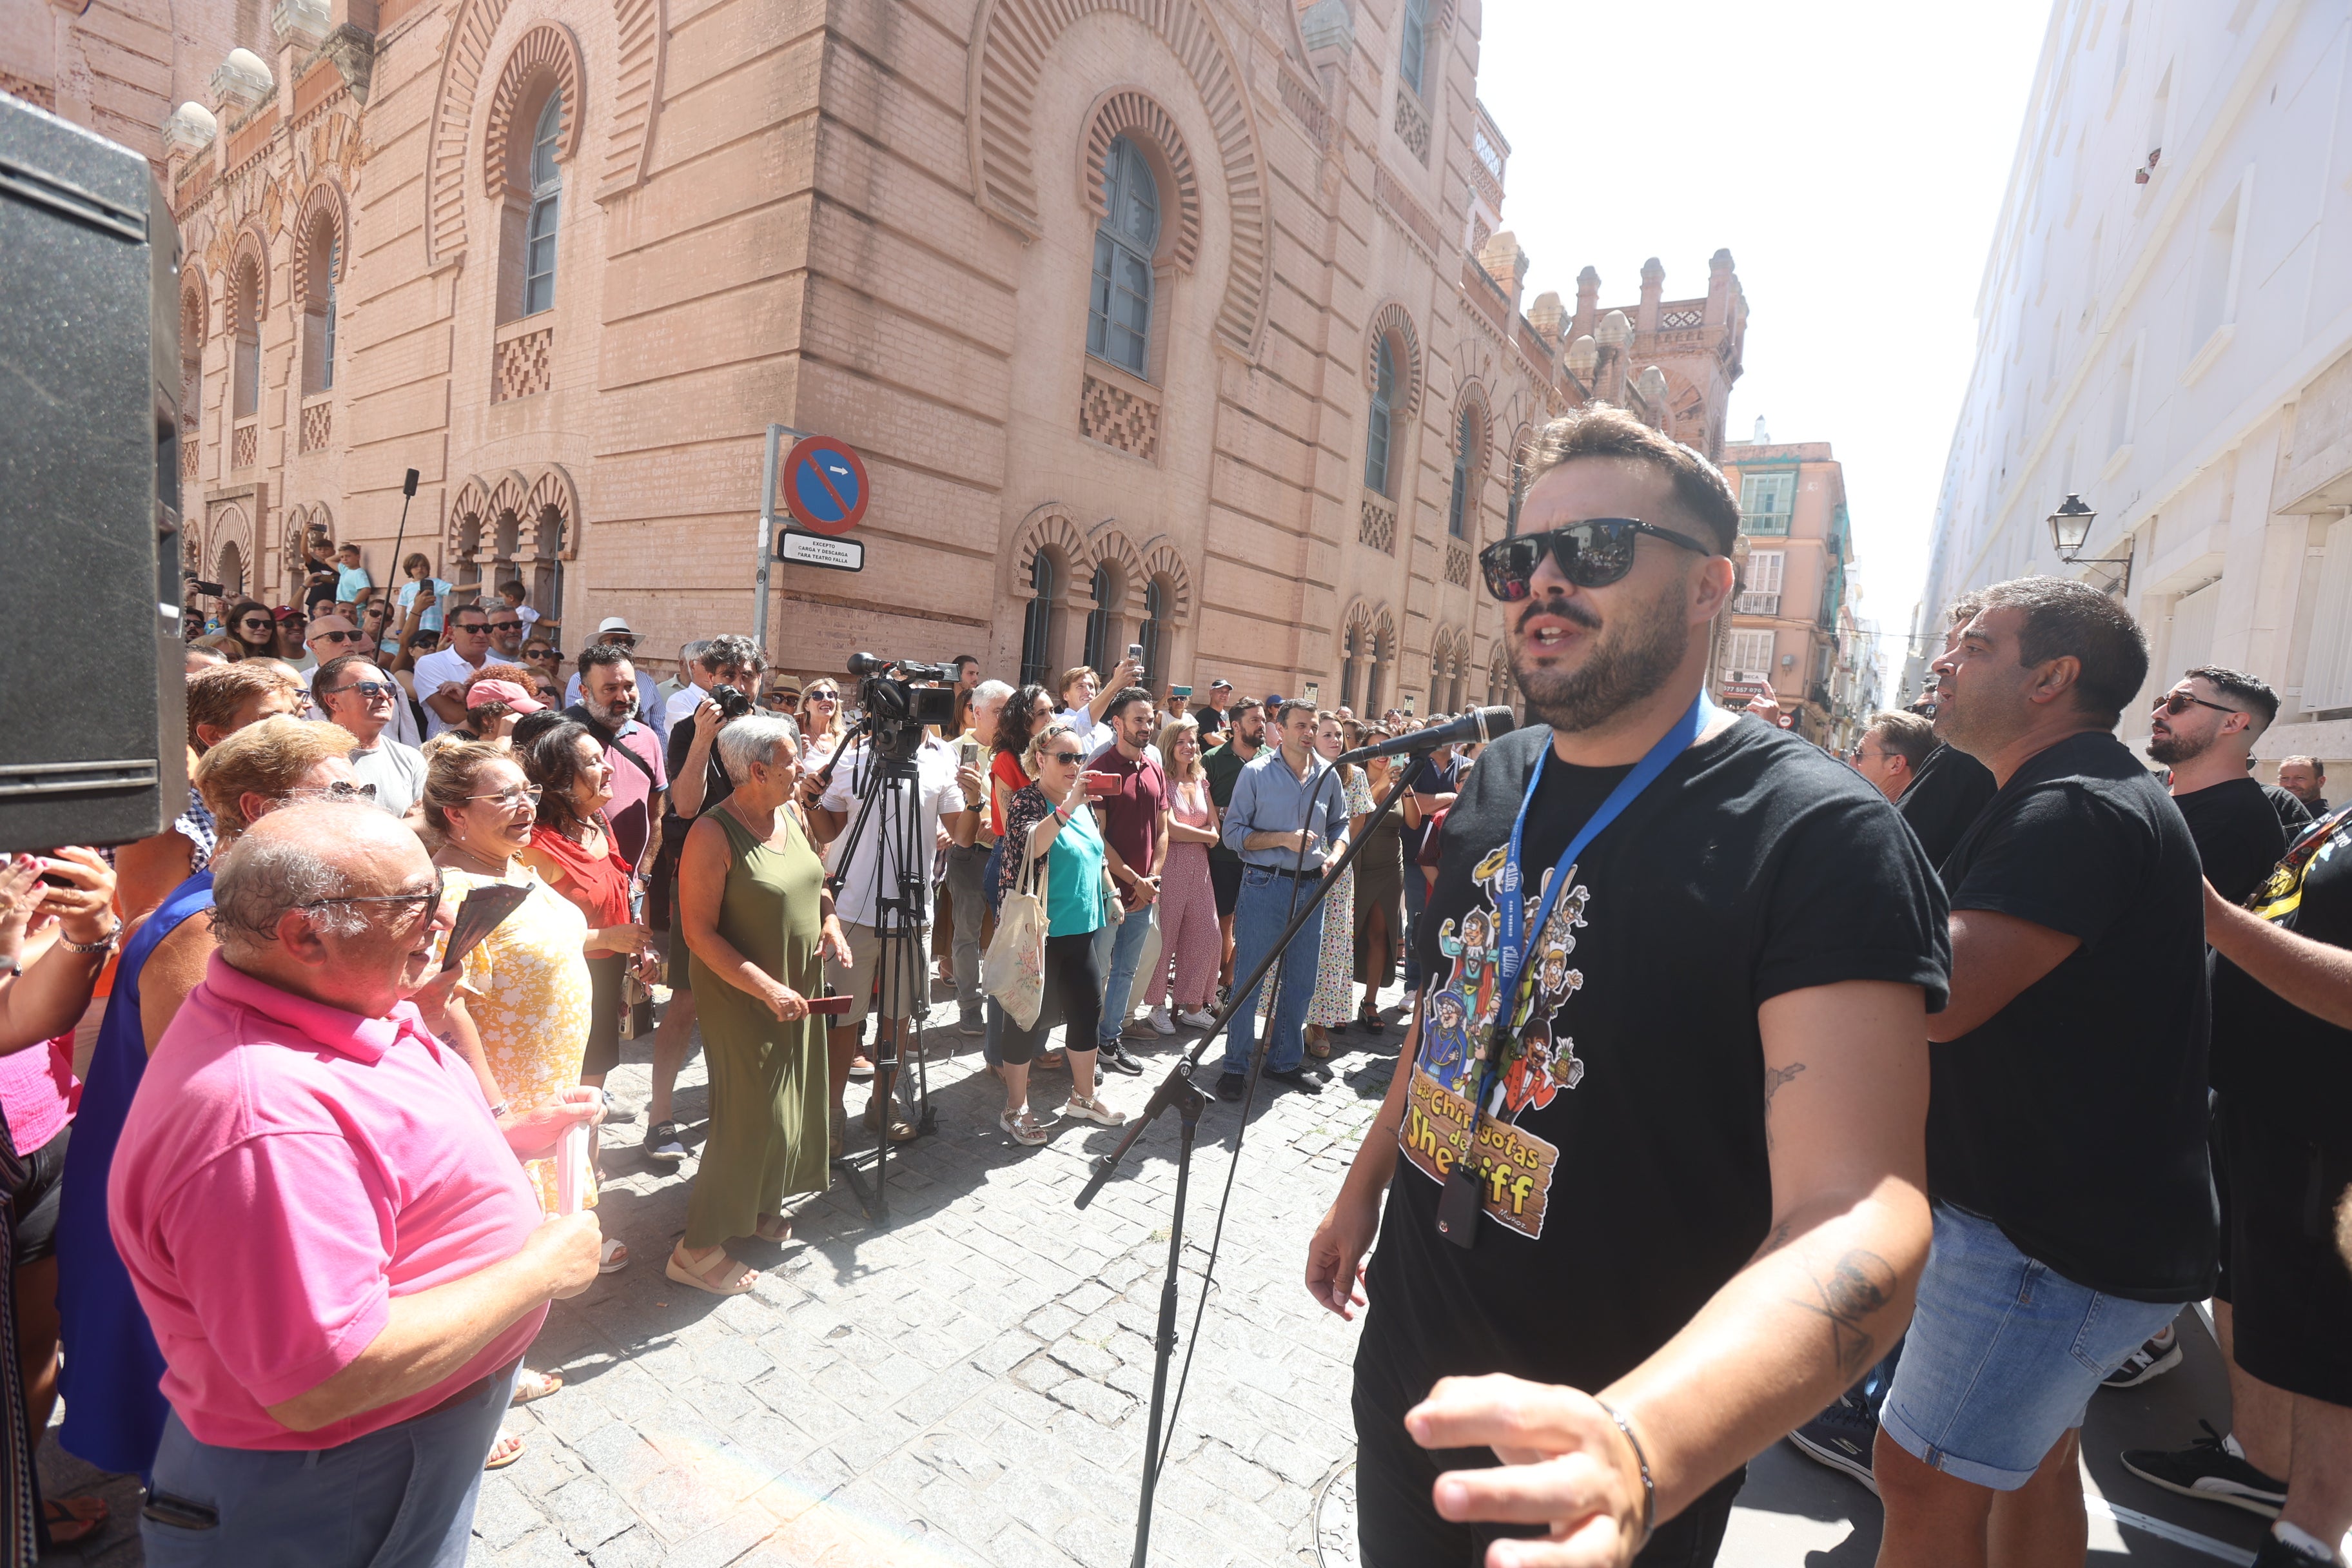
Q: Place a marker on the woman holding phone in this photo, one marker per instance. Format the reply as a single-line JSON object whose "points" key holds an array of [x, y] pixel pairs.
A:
{"points": [[1048, 822]]}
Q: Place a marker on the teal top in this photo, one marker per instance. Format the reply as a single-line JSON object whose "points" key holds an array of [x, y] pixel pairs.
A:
{"points": [[1074, 904]]}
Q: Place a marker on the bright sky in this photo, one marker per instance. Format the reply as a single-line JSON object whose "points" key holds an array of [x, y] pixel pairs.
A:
{"points": [[1852, 156]]}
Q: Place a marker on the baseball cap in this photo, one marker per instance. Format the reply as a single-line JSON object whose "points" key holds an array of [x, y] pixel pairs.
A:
{"points": [[615, 624], [506, 692], [288, 613], [1221, 684]]}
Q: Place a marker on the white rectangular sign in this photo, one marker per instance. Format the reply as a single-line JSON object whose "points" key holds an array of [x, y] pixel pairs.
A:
{"points": [[817, 549]]}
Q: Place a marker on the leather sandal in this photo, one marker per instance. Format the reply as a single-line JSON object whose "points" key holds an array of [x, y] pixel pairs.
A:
{"points": [[706, 1276]]}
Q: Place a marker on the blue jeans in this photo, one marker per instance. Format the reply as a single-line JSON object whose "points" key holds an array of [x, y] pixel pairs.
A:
{"points": [[401, 1497], [1119, 952], [1416, 899], [1258, 919]]}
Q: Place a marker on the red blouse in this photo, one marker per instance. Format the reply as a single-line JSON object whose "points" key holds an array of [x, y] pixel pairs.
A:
{"points": [[597, 885]]}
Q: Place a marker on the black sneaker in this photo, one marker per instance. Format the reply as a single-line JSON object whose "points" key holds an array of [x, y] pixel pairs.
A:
{"points": [[1231, 1086], [2151, 1360], [2277, 1553], [663, 1145], [1119, 1059], [1841, 1438], [2205, 1468], [1303, 1079]]}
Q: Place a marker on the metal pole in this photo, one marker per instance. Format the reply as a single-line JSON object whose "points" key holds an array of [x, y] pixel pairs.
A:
{"points": [[767, 536]]}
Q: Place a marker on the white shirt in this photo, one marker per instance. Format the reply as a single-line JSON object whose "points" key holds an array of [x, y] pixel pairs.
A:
{"points": [[396, 771], [941, 796], [435, 670], [1093, 734], [684, 701], [528, 618], [403, 727]]}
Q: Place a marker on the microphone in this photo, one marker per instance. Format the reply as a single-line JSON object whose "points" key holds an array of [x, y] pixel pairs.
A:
{"points": [[1480, 725]]}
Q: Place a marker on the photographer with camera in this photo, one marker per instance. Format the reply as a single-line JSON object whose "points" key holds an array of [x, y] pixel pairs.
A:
{"points": [[869, 863]]}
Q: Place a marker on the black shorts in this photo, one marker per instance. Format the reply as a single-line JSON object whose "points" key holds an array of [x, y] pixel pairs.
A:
{"points": [[1397, 1523], [37, 1201], [2290, 1293], [1225, 882]]}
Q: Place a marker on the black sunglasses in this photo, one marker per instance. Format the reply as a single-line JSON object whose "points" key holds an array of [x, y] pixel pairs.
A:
{"points": [[370, 690], [340, 637], [1592, 555], [2180, 702]]}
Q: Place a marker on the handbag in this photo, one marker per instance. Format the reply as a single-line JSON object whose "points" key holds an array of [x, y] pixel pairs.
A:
{"points": [[1013, 970]]}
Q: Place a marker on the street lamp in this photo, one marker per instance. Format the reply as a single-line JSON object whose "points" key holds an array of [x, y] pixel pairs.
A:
{"points": [[2069, 530]]}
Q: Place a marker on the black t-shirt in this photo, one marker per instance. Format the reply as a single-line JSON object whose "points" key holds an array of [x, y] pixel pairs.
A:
{"points": [[2293, 814], [2238, 835], [2074, 1118], [2298, 1067], [1630, 1111], [715, 786], [1213, 725], [1946, 794]]}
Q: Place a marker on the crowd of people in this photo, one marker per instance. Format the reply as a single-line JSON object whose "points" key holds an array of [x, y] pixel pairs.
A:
{"points": [[1650, 1184]]}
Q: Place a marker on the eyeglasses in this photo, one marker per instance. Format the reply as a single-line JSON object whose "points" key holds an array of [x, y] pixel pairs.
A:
{"points": [[820, 697], [2179, 702], [779, 698], [430, 899], [518, 795], [476, 629], [544, 656], [504, 626], [1062, 756], [372, 691], [341, 790], [249, 623], [1592, 555], [338, 637], [617, 639]]}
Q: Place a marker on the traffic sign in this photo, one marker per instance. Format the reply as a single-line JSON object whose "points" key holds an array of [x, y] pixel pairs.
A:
{"points": [[817, 549], [825, 485]]}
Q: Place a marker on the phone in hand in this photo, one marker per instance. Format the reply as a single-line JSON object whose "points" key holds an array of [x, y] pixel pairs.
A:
{"points": [[1135, 653], [1101, 785], [830, 1005]]}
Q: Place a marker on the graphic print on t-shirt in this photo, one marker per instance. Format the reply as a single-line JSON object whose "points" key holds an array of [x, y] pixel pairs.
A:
{"points": [[1458, 1012]]}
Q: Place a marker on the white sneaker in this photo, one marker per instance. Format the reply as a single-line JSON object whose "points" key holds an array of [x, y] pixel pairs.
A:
{"points": [[1198, 1019], [1160, 1023]]}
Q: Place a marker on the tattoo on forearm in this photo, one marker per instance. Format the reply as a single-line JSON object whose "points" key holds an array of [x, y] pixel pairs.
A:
{"points": [[1775, 1081], [1861, 1284]]}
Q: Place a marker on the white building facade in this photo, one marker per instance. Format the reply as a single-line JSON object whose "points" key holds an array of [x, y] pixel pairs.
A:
{"points": [[2165, 326]]}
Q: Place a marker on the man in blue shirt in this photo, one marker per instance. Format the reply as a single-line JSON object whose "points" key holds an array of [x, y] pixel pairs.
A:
{"points": [[1282, 795]]}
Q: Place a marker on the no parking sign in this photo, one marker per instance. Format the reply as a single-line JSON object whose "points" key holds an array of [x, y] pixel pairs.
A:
{"points": [[825, 485]]}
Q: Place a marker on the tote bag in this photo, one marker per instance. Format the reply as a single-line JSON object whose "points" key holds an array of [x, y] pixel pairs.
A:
{"points": [[1013, 971]]}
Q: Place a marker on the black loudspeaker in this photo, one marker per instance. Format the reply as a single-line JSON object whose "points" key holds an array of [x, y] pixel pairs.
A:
{"points": [[92, 699]]}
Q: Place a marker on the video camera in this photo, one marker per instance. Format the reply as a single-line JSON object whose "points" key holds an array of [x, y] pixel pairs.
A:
{"points": [[897, 711]]}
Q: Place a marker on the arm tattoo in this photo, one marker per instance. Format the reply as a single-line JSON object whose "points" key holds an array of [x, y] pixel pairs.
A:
{"points": [[1862, 1283], [1775, 1081]]}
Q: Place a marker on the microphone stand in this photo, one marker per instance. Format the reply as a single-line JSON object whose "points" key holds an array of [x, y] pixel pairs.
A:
{"points": [[1178, 1092]]}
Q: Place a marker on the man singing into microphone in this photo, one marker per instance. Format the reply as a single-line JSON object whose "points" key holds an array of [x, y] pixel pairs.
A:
{"points": [[1597, 1295]]}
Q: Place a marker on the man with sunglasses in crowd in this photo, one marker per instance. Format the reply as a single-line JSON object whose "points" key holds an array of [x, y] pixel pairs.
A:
{"points": [[351, 691], [506, 634], [444, 675], [1653, 1161], [2203, 730], [332, 637]]}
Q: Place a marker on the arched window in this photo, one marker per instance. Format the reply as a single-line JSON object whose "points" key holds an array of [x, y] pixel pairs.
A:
{"points": [[1462, 510], [325, 256], [1375, 442], [1518, 493], [1154, 635], [1037, 624], [192, 371], [1348, 671], [1416, 44], [546, 200], [1372, 676], [245, 351], [1118, 318], [1098, 621]]}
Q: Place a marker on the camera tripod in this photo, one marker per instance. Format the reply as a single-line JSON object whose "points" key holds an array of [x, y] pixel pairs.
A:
{"points": [[889, 804]]}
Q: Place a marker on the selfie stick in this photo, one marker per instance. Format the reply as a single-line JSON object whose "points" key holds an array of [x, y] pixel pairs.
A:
{"points": [[407, 491]]}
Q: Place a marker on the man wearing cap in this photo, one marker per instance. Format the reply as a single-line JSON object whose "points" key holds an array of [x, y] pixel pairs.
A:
{"points": [[291, 629], [652, 706], [1214, 715], [443, 675]]}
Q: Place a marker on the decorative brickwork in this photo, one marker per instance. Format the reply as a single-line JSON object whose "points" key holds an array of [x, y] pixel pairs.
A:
{"points": [[318, 424], [1307, 104], [1678, 318], [1412, 123], [187, 463], [1392, 321], [245, 444], [1376, 528], [1125, 112], [1118, 419], [523, 368], [1401, 205], [547, 50], [1457, 564], [323, 198]]}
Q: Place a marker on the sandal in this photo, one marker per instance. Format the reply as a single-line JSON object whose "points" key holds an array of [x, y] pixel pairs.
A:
{"points": [[612, 1257], [531, 1385], [1059, 1061], [1318, 1044], [773, 1228], [1369, 1017], [1093, 1111], [704, 1277], [1023, 1128], [72, 1519], [504, 1452]]}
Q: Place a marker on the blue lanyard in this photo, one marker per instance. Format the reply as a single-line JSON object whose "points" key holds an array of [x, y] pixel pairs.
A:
{"points": [[1510, 906]]}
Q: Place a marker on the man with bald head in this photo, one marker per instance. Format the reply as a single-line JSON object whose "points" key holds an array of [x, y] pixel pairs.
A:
{"points": [[325, 1221]]}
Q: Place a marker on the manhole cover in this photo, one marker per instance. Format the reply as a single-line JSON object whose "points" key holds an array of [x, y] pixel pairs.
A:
{"points": [[1335, 1518]]}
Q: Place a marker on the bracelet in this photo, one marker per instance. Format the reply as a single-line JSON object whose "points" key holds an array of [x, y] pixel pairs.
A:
{"points": [[1641, 1460], [498, 1111], [102, 944]]}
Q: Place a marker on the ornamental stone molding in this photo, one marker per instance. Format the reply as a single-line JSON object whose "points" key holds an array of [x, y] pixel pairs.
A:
{"points": [[548, 50], [1393, 321], [247, 249], [1130, 111], [1050, 527], [325, 198], [642, 29], [542, 500], [1011, 42]]}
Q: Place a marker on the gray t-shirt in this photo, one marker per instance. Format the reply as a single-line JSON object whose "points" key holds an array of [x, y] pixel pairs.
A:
{"points": [[397, 770]]}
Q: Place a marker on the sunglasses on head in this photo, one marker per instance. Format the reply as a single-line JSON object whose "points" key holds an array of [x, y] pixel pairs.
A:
{"points": [[2180, 702], [1592, 555]]}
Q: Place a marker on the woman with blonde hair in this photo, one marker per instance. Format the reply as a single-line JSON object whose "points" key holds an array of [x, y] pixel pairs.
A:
{"points": [[821, 727], [1188, 901]]}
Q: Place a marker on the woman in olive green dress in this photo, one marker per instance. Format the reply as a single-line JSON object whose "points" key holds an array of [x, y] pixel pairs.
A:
{"points": [[757, 922]]}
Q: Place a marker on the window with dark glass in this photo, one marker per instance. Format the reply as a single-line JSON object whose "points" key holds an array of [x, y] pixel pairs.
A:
{"points": [[1155, 630], [1098, 621], [546, 200], [1118, 318], [1037, 624], [1376, 444], [1416, 43], [1461, 510]]}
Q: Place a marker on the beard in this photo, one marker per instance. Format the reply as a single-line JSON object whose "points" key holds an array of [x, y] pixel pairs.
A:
{"points": [[2176, 748], [1625, 666], [620, 711]]}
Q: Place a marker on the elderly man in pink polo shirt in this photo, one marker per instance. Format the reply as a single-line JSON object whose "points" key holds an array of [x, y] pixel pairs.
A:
{"points": [[327, 1222]]}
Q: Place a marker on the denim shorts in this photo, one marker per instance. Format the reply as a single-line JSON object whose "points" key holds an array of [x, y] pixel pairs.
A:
{"points": [[2003, 1355]]}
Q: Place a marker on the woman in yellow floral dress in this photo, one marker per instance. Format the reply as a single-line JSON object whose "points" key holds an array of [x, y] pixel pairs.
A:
{"points": [[526, 987]]}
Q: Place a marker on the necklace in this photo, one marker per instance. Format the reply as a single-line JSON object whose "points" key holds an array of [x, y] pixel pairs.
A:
{"points": [[501, 867]]}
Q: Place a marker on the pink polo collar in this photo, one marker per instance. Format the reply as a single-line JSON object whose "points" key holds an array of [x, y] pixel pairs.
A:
{"points": [[360, 1038]]}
